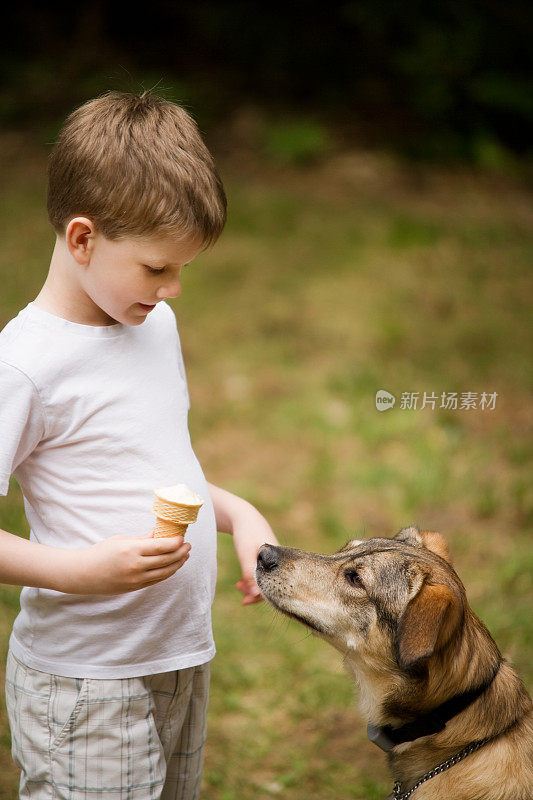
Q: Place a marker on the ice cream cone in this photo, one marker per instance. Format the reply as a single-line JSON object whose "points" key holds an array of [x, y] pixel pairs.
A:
{"points": [[175, 507]]}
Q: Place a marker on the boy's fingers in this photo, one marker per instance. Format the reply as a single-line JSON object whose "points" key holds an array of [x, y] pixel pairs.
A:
{"points": [[162, 573], [250, 599], [250, 590], [167, 559], [154, 547], [166, 569]]}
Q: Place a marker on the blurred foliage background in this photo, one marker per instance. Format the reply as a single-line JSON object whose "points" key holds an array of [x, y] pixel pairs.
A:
{"points": [[378, 163], [438, 80]]}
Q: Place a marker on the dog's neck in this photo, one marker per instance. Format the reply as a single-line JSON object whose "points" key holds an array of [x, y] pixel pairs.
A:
{"points": [[395, 698], [389, 737], [498, 709], [392, 696]]}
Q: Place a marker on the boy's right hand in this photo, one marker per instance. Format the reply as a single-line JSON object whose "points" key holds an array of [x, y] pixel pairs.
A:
{"points": [[124, 564]]}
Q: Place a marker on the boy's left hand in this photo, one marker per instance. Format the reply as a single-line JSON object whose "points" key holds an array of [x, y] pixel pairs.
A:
{"points": [[250, 531], [247, 542]]}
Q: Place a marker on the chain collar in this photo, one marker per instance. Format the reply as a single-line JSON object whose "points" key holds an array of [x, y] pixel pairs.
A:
{"points": [[472, 747]]}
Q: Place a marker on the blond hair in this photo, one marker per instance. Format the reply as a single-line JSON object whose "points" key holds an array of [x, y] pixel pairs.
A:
{"points": [[136, 165]]}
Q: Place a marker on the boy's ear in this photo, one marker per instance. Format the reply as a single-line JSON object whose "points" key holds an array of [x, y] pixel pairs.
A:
{"points": [[79, 237], [427, 624], [428, 539]]}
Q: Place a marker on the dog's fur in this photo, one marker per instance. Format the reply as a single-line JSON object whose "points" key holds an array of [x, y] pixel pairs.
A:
{"points": [[397, 611]]}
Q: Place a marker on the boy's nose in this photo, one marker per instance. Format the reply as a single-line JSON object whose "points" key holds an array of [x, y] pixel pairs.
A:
{"points": [[170, 290]]}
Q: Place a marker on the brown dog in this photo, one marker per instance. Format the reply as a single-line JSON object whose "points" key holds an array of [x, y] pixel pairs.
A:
{"points": [[454, 716]]}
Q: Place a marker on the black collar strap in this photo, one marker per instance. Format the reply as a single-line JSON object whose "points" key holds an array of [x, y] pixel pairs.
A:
{"points": [[387, 737]]}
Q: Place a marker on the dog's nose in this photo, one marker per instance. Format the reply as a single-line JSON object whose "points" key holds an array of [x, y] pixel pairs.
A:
{"points": [[268, 557]]}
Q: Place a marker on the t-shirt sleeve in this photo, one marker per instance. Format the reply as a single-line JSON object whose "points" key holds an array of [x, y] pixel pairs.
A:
{"points": [[21, 421]]}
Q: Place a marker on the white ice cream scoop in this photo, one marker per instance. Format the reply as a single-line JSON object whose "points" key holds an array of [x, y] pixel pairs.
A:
{"points": [[175, 507]]}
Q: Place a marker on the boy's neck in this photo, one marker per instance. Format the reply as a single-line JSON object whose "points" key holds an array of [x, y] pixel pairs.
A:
{"points": [[62, 295]]}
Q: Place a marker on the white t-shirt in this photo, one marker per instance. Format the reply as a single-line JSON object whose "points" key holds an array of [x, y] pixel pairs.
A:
{"points": [[92, 419]]}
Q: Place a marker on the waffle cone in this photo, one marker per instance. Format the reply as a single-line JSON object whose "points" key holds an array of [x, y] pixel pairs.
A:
{"points": [[175, 512], [164, 528]]}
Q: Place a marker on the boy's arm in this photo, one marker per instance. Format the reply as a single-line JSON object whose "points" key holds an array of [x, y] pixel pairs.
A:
{"points": [[249, 529], [115, 565]]}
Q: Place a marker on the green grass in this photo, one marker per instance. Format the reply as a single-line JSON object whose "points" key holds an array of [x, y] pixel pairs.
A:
{"points": [[330, 283]]}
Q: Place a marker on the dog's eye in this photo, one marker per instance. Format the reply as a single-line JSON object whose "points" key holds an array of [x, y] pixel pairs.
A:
{"points": [[354, 579]]}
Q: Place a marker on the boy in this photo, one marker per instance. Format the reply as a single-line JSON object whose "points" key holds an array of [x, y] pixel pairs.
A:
{"points": [[107, 675]]}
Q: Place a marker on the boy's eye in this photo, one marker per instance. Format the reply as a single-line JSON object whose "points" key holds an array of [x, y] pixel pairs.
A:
{"points": [[154, 270]]}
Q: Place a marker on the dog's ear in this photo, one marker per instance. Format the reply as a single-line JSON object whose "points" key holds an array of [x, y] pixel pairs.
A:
{"points": [[410, 535], [350, 545], [426, 624], [436, 543], [428, 539]]}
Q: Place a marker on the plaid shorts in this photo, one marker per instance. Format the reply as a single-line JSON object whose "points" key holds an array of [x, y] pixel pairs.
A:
{"points": [[122, 739]]}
